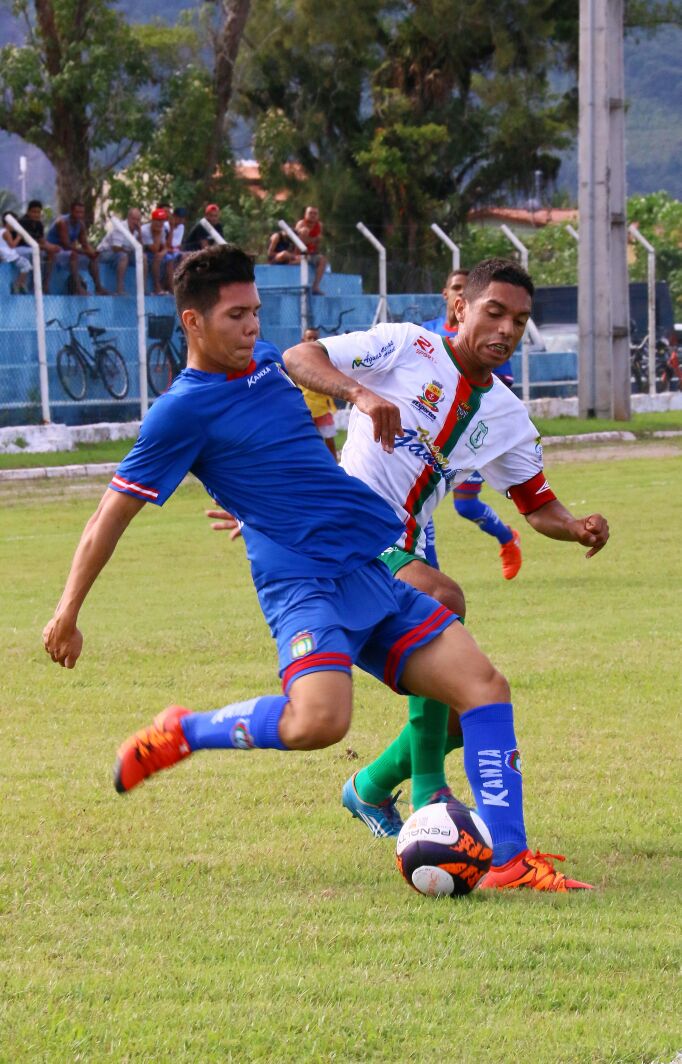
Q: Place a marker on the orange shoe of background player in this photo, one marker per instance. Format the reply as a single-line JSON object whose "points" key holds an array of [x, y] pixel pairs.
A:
{"points": [[510, 553], [531, 871], [150, 749]]}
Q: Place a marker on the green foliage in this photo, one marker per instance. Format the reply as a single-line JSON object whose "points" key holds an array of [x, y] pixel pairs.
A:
{"points": [[75, 88], [659, 218]]}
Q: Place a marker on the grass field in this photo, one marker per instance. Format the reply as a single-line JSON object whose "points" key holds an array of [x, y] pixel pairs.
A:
{"points": [[114, 450], [230, 910]]}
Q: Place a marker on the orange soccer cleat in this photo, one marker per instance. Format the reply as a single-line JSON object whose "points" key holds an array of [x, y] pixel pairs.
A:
{"points": [[533, 871], [510, 553], [150, 749]]}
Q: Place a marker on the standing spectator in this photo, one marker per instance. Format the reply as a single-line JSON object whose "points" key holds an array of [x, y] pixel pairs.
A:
{"points": [[199, 237], [113, 248], [70, 233], [155, 235], [8, 253], [32, 222], [322, 407], [281, 250], [309, 228]]}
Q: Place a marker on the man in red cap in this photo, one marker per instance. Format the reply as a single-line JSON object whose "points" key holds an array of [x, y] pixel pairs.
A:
{"points": [[200, 237], [155, 237]]}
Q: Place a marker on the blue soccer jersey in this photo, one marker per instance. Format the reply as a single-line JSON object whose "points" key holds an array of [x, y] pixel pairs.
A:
{"points": [[250, 439]]}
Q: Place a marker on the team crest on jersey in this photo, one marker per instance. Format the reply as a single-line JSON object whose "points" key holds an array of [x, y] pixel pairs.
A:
{"points": [[303, 643], [512, 759], [427, 402], [240, 735], [478, 436], [463, 410]]}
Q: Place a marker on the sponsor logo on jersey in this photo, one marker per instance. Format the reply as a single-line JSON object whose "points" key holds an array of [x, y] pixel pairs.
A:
{"points": [[424, 348], [419, 443], [255, 377], [427, 402], [538, 448], [368, 360], [303, 643], [477, 437]]}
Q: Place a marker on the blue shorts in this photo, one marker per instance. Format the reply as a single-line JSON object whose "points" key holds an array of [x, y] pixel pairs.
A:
{"points": [[366, 618], [472, 485]]}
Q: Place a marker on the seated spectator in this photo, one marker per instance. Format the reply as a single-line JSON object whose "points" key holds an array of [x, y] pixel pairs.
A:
{"points": [[200, 237], [8, 253], [32, 222], [309, 228], [282, 251], [321, 406], [70, 233], [113, 248], [155, 237]]}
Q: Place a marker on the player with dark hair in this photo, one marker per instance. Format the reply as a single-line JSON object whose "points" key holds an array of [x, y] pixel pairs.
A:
{"points": [[466, 496], [328, 599], [455, 415]]}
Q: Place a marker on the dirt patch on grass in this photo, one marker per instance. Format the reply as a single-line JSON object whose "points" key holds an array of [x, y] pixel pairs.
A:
{"points": [[605, 452]]}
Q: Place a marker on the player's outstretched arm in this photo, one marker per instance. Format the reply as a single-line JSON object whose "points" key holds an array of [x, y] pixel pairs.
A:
{"points": [[309, 365], [61, 637], [556, 522]]}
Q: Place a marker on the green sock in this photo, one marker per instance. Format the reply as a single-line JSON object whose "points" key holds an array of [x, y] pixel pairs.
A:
{"points": [[453, 742], [428, 728], [378, 780]]}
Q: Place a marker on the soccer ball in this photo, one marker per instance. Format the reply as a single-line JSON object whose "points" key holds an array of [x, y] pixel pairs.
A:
{"points": [[444, 849]]}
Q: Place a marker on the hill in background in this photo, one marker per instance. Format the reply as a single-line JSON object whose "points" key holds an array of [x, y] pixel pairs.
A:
{"points": [[652, 81]]}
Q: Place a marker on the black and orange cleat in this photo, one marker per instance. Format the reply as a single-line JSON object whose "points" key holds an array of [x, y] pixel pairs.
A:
{"points": [[510, 553], [531, 871], [150, 749]]}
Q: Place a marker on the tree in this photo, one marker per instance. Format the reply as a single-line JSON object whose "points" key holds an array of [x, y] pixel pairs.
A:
{"points": [[75, 89], [659, 218], [408, 114]]}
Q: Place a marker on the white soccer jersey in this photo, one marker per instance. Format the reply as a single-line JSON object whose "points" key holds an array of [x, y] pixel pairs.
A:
{"points": [[450, 426]]}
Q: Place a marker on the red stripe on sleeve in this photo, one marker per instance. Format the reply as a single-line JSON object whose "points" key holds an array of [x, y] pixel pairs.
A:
{"points": [[530, 496]]}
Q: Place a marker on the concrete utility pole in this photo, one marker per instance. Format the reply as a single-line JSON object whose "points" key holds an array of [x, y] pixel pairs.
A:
{"points": [[603, 304]]}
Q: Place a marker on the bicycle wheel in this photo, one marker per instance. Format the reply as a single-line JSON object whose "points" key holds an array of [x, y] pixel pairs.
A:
{"points": [[159, 368], [71, 372], [113, 371]]}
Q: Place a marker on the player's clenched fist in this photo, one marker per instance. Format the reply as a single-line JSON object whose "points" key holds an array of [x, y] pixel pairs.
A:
{"points": [[385, 417], [592, 532], [62, 642]]}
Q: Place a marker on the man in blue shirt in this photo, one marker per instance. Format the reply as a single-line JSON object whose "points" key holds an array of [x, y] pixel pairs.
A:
{"points": [[466, 496], [327, 598]]}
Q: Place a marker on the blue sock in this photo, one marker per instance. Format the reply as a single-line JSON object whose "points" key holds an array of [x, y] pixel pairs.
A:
{"points": [[485, 517], [493, 767], [242, 725]]}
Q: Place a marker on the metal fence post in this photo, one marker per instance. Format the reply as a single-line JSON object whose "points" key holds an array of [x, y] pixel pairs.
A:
{"points": [[651, 302], [132, 241], [381, 313], [213, 233], [525, 343], [454, 248], [573, 232], [40, 316], [297, 242]]}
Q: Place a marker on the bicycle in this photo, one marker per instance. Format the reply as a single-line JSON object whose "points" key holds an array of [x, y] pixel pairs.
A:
{"points": [[164, 359], [334, 330], [75, 364]]}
